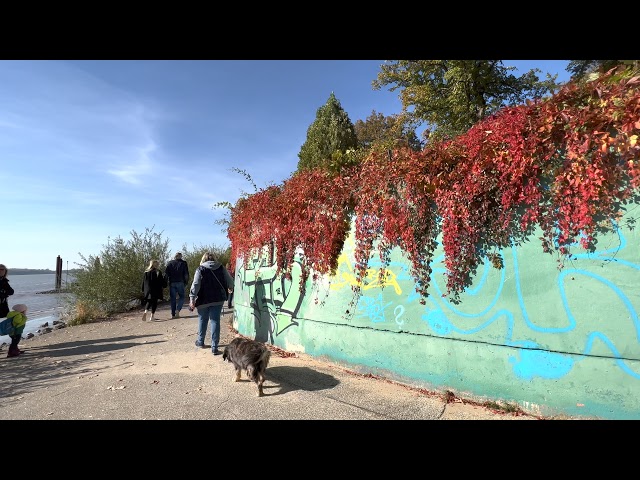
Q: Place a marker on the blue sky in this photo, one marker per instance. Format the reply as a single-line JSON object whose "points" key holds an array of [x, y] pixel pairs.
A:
{"points": [[92, 150]]}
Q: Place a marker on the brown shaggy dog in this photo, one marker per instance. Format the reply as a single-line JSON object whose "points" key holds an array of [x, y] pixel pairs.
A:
{"points": [[248, 355]]}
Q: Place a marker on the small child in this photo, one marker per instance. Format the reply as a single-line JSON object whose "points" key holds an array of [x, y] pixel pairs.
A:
{"points": [[14, 326]]}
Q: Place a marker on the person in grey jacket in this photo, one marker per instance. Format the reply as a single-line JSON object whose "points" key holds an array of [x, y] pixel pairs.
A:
{"points": [[209, 291], [177, 273]]}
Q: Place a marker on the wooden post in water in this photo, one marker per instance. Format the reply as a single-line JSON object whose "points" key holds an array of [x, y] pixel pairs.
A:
{"points": [[58, 272]]}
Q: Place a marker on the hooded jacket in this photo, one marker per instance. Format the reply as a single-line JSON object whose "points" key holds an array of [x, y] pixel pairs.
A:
{"points": [[211, 284], [14, 324]]}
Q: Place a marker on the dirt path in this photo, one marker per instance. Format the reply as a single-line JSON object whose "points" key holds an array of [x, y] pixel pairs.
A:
{"points": [[123, 368]]}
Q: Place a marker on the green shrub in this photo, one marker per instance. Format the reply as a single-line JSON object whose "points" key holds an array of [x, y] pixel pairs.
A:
{"points": [[194, 255], [112, 281]]}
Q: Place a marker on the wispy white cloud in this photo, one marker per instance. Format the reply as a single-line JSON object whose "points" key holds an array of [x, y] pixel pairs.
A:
{"points": [[136, 169]]}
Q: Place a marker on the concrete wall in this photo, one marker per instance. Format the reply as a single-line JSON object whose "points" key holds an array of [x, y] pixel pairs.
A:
{"points": [[554, 342]]}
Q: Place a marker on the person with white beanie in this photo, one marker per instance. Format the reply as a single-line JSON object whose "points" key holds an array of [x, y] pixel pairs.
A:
{"points": [[14, 326]]}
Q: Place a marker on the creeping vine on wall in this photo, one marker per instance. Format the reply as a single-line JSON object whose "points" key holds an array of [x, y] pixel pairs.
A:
{"points": [[564, 164]]}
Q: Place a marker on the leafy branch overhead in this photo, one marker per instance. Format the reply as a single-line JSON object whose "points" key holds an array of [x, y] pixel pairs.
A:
{"points": [[453, 95], [228, 206]]}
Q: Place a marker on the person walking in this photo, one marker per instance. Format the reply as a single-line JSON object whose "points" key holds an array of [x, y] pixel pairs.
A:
{"points": [[153, 282], [13, 326], [208, 293], [233, 275], [177, 273], [5, 291]]}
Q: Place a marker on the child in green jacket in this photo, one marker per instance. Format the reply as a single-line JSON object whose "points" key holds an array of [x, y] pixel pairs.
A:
{"points": [[14, 326]]}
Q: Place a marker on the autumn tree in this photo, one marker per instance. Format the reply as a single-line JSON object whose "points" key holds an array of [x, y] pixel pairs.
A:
{"points": [[386, 132], [585, 69], [451, 96], [329, 137]]}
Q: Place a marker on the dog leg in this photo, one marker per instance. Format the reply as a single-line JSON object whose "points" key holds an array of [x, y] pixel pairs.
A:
{"points": [[238, 374], [260, 382]]}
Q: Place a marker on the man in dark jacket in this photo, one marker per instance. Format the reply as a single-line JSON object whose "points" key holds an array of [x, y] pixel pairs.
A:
{"points": [[177, 273]]}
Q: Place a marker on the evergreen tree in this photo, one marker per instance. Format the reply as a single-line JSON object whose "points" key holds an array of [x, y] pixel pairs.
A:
{"points": [[329, 137]]}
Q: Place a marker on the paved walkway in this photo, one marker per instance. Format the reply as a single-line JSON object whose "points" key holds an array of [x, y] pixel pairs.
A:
{"points": [[123, 368]]}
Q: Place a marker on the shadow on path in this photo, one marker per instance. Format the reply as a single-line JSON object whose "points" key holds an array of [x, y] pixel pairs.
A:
{"points": [[297, 378], [45, 366]]}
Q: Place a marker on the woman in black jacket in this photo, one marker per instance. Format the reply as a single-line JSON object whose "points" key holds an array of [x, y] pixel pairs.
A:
{"points": [[153, 282], [5, 291]]}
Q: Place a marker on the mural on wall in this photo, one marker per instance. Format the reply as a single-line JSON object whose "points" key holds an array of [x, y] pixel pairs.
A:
{"points": [[548, 314], [275, 301]]}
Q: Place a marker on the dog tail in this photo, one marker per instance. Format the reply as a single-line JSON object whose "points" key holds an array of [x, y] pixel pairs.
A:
{"points": [[255, 370], [265, 357]]}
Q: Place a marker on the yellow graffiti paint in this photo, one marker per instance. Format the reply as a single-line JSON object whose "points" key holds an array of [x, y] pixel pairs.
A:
{"points": [[345, 277]]}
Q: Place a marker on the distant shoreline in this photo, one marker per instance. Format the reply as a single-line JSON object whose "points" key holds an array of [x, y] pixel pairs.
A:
{"points": [[33, 271]]}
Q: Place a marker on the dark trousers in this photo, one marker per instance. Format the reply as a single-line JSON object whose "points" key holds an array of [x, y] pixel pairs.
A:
{"points": [[13, 348], [150, 304]]}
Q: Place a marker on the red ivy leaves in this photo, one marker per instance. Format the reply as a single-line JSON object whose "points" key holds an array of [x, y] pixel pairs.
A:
{"points": [[308, 215], [563, 164]]}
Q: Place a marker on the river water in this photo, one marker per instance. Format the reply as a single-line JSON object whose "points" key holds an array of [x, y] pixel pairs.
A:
{"points": [[43, 307]]}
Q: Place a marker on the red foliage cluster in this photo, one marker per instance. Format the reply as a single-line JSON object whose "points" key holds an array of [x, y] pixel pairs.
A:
{"points": [[564, 164], [307, 218]]}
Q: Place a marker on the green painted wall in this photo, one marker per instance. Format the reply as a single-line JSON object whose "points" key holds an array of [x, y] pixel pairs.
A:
{"points": [[554, 342]]}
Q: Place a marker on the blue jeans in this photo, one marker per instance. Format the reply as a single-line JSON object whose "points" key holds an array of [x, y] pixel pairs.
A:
{"points": [[206, 315], [176, 289]]}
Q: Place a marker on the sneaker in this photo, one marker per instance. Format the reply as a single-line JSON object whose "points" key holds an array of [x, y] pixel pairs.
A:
{"points": [[177, 314], [199, 345], [173, 315], [215, 351]]}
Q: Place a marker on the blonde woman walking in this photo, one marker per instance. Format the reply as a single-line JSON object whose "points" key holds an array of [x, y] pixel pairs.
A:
{"points": [[153, 282]]}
